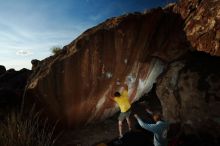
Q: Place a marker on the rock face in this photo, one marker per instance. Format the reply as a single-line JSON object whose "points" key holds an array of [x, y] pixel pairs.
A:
{"points": [[12, 84], [189, 92], [74, 84], [202, 24]]}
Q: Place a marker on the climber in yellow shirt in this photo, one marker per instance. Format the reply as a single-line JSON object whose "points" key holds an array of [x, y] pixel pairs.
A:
{"points": [[124, 104]]}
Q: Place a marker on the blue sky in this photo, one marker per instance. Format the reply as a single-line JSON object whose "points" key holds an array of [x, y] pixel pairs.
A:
{"points": [[29, 28]]}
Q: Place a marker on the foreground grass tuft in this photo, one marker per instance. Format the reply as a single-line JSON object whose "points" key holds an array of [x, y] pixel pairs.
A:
{"points": [[19, 130]]}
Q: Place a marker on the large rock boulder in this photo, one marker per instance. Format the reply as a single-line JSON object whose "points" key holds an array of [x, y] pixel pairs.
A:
{"points": [[189, 92], [74, 84]]}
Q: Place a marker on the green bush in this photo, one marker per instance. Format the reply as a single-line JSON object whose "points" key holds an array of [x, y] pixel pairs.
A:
{"points": [[18, 130], [56, 49]]}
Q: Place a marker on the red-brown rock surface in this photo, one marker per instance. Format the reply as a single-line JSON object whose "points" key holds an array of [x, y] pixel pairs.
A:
{"points": [[74, 85], [202, 24]]}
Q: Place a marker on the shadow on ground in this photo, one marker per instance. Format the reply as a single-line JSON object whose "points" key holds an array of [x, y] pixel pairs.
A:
{"points": [[133, 139]]}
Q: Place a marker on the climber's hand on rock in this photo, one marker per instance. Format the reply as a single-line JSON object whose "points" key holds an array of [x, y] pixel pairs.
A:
{"points": [[118, 83], [125, 86]]}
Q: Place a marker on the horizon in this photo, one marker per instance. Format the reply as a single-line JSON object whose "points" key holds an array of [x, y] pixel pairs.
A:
{"points": [[29, 29]]}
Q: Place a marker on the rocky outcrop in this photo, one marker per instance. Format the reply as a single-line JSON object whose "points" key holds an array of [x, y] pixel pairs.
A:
{"points": [[12, 85], [2, 69], [35, 63], [74, 84], [189, 92], [202, 24]]}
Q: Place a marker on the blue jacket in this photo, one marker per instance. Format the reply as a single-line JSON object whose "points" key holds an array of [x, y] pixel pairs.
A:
{"points": [[159, 129]]}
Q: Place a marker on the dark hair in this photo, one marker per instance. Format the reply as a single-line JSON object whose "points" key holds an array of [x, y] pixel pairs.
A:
{"points": [[117, 94], [158, 115]]}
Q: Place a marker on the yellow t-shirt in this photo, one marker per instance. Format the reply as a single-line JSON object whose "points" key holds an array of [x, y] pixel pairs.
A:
{"points": [[123, 101]]}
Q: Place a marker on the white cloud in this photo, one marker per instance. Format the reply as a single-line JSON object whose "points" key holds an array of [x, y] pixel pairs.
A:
{"points": [[24, 52], [32, 33]]}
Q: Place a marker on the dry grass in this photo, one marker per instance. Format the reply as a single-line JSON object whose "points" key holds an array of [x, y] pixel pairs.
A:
{"points": [[30, 130]]}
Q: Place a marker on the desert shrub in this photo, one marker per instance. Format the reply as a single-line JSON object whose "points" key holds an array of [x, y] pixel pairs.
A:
{"points": [[56, 49], [19, 130]]}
